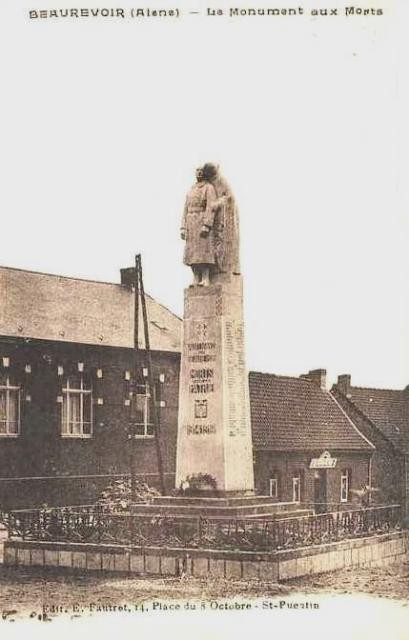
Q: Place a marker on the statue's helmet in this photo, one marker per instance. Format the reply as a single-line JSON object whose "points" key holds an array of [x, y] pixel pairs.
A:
{"points": [[210, 171]]}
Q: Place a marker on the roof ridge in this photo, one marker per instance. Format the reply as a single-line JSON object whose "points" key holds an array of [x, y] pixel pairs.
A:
{"points": [[376, 389], [58, 275], [350, 420], [284, 377]]}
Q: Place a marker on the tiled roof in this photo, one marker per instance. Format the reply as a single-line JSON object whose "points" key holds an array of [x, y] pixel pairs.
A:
{"points": [[51, 307], [387, 409], [296, 414]]}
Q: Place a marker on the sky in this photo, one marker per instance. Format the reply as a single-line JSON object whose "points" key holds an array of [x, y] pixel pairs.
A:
{"points": [[104, 121]]}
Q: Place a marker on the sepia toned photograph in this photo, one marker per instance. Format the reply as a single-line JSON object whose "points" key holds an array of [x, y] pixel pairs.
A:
{"points": [[204, 312]]}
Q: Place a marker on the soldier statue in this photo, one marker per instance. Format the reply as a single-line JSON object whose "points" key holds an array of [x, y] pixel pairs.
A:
{"points": [[210, 227]]}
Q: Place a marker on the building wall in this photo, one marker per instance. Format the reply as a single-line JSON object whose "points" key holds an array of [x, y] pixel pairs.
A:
{"points": [[40, 450], [287, 464], [387, 471]]}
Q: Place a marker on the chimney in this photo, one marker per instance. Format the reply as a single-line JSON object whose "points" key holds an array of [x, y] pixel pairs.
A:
{"points": [[344, 383], [318, 377], [128, 276]]}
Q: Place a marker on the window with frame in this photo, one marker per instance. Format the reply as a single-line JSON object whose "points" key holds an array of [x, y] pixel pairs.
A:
{"points": [[273, 483], [297, 488], [76, 416], [273, 486], [345, 484], [141, 411], [9, 407]]}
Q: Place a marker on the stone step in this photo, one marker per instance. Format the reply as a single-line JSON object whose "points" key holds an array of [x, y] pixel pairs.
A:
{"points": [[281, 515], [268, 510], [224, 501], [248, 517]]}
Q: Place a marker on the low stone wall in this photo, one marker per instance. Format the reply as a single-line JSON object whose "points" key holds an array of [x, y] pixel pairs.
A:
{"points": [[158, 561]]}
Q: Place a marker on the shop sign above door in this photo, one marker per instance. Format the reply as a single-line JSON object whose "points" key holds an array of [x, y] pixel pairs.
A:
{"points": [[325, 461]]}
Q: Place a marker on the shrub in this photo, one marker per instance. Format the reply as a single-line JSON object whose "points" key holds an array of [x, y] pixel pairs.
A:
{"points": [[117, 496]]}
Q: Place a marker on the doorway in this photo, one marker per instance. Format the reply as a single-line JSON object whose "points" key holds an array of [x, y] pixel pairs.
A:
{"points": [[320, 490]]}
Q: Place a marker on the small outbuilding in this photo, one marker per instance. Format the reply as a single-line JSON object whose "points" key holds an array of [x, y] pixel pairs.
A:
{"points": [[307, 449]]}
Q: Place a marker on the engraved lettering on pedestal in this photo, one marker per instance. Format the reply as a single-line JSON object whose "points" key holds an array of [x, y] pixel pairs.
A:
{"points": [[236, 378], [200, 429], [201, 357], [200, 350], [200, 346], [201, 381], [201, 374], [201, 387]]}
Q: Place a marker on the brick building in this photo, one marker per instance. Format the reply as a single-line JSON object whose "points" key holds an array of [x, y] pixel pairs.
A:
{"points": [[306, 448], [72, 388], [383, 416]]}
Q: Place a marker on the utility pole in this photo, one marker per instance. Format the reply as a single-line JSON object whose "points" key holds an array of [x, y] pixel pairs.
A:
{"points": [[140, 294], [136, 347]]}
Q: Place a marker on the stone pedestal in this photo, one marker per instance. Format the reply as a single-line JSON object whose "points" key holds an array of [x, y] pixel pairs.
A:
{"points": [[214, 431]]}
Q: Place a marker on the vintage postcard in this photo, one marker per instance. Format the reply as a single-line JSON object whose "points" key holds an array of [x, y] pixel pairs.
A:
{"points": [[204, 319]]}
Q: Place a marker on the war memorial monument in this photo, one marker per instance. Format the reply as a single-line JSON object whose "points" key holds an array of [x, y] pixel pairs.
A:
{"points": [[214, 430], [214, 459]]}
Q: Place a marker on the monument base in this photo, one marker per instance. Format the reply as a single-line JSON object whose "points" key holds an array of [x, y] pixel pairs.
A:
{"points": [[214, 446], [227, 507], [212, 493]]}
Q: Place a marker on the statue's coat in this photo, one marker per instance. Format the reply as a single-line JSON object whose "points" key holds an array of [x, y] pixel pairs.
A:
{"points": [[211, 203], [198, 212]]}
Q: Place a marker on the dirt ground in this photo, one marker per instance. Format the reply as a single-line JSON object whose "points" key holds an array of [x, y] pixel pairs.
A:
{"points": [[386, 582], [36, 592], [47, 594]]}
